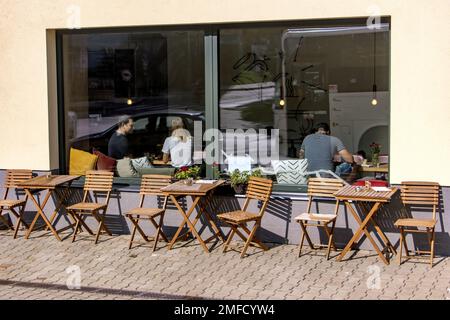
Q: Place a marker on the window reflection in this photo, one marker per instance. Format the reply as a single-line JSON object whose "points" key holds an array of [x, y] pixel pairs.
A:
{"points": [[276, 77], [153, 77]]}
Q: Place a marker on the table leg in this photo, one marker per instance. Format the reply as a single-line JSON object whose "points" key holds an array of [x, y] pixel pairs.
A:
{"points": [[41, 213], [36, 217], [204, 209], [177, 234], [383, 236], [359, 221], [189, 223], [363, 228], [58, 206]]}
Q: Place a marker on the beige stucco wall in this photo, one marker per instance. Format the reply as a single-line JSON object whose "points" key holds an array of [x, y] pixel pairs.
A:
{"points": [[420, 117]]}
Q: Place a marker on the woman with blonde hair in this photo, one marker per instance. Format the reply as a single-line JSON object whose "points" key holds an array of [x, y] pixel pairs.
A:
{"points": [[178, 147]]}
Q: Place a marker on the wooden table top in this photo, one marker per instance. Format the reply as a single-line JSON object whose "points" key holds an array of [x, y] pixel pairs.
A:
{"points": [[47, 182], [179, 188], [161, 163], [383, 168], [363, 194]]}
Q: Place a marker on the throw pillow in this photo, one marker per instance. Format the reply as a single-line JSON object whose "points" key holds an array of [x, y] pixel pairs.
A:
{"points": [[125, 168], [290, 171], [141, 163], [104, 162], [81, 161]]}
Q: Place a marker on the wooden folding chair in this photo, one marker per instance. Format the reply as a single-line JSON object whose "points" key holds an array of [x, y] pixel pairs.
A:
{"points": [[14, 178], [258, 189], [150, 185], [97, 182], [420, 195], [320, 189]]}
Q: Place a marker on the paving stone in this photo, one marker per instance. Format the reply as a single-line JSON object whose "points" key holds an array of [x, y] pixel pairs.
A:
{"points": [[187, 271]]}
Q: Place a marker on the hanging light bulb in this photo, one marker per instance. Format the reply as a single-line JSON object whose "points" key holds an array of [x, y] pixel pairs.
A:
{"points": [[282, 103], [129, 102], [374, 101]]}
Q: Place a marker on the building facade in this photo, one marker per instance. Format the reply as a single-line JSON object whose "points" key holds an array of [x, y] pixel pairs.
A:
{"points": [[414, 75]]}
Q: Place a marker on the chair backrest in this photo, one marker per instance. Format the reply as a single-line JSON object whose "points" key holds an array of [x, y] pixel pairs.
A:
{"points": [[14, 177], [98, 180], [420, 193], [151, 184], [291, 171], [258, 189], [324, 188]]}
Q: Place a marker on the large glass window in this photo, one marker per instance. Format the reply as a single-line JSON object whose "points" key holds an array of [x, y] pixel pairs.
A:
{"points": [[276, 84], [293, 78], [153, 77]]}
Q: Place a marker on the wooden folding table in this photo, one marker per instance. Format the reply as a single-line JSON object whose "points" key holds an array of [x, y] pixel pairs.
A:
{"points": [[49, 183], [349, 194], [201, 194]]}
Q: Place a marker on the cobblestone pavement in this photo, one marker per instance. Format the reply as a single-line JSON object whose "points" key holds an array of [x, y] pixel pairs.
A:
{"points": [[43, 268]]}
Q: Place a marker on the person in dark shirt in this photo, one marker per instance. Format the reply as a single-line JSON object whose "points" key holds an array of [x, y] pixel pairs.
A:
{"points": [[118, 143]]}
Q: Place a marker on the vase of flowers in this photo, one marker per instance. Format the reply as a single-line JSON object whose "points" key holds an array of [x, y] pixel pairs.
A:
{"points": [[239, 180], [375, 150], [187, 174]]}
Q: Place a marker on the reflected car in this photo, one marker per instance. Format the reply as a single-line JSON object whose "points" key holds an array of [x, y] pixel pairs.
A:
{"points": [[150, 131]]}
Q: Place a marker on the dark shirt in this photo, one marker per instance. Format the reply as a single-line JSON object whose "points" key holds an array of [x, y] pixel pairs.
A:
{"points": [[118, 146]]}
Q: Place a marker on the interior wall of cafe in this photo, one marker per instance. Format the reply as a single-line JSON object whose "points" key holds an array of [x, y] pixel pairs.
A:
{"points": [[419, 131]]}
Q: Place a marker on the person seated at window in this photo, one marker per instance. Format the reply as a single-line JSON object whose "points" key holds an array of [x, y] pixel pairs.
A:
{"points": [[320, 147], [178, 147], [118, 143]]}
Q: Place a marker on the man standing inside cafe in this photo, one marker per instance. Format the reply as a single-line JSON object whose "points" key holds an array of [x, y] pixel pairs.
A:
{"points": [[320, 147]]}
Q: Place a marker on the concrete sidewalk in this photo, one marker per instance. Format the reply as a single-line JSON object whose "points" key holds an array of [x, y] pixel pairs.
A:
{"points": [[43, 268]]}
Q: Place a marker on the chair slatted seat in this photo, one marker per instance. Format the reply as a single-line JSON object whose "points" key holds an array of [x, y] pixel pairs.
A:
{"points": [[320, 188], [151, 185], [422, 194], [258, 189], [97, 181], [12, 180]]}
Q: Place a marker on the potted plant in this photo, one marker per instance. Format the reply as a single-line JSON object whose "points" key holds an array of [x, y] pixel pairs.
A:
{"points": [[188, 174], [375, 149], [239, 180]]}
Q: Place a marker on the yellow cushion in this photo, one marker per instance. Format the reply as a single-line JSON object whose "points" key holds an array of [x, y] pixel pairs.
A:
{"points": [[81, 161]]}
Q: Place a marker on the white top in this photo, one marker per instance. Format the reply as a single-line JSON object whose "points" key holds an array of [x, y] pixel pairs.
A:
{"points": [[180, 152]]}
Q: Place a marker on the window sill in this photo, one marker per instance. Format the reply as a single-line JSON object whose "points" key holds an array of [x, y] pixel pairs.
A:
{"points": [[280, 191]]}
